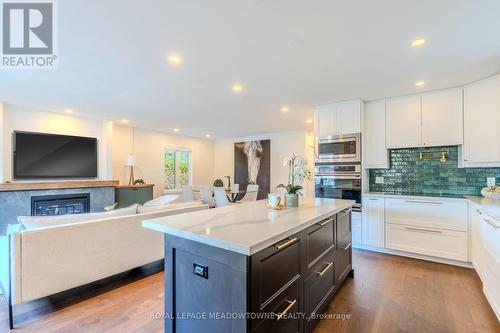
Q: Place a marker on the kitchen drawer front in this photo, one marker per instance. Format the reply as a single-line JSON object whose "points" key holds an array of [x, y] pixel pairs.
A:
{"points": [[319, 239], [491, 237], [441, 243], [320, 283], [491, 261], [344, 227], [356, 228], [288, 305], [273, 269], [427, 213]]}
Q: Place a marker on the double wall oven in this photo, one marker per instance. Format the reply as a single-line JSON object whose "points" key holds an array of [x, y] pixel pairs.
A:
{"points": [[338, 172]]}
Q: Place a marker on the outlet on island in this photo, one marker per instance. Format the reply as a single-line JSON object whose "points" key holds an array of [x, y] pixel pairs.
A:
{"points": [[379, 180]]}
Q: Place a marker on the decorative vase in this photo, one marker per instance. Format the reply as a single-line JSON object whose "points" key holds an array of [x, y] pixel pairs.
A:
{"points": [[291, 200]]}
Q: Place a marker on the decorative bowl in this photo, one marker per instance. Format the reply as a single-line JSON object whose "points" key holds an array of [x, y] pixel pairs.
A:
{"points": [[491, 193]]}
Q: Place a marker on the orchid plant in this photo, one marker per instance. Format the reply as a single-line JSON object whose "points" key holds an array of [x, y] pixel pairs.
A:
{"points": [[297, 173]]}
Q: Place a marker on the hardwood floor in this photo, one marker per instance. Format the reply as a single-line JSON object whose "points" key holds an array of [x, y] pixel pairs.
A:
{"points": [[388, 294]]}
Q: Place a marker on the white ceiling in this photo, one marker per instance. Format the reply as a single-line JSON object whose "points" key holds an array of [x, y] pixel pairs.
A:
{"points": [[285, 52]]}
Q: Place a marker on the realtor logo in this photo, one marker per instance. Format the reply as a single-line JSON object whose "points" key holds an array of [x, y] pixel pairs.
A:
{"points": [[28, 34]]}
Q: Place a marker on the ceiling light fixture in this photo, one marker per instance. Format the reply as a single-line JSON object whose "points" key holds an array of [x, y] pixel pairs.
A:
{"points": [[418, 42], [419, 83], [208, 136], [174, 59], [68, 111], [237, 88], [284, 109], [125, 121], [176, 130], [309, 121]]}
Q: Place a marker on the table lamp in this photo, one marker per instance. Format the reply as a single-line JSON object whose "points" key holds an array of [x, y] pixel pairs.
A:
{"points": [[130, 161]]}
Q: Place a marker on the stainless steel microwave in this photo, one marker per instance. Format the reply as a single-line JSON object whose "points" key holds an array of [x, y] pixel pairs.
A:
{"points": [[340, 148]]}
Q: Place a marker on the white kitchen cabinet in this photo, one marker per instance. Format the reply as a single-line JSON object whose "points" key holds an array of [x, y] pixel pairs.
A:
{"points": [[338, 118], [491, 261], [481, 119], [356, 229], [442, 118], [403, 122], [373, 226], [476, 253], [375, 148]]}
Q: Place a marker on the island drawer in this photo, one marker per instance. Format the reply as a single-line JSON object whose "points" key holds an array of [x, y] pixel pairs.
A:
{"points": [[282, 314], [320, 284], [319, 239], [344, 226], [273, 269]]}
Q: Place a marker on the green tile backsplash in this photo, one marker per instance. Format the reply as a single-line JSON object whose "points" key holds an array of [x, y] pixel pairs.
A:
{"points": [[429, 176]]}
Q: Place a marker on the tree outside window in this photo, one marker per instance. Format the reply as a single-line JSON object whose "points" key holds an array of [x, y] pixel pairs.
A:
{"points": [[177, 168]]}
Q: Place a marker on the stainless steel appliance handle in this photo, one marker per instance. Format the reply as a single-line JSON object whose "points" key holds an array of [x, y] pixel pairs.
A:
{"points": [[329, 175]]}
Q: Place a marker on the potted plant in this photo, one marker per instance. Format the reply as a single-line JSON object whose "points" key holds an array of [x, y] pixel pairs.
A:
{"points": [[297, 173], [218, 183]]}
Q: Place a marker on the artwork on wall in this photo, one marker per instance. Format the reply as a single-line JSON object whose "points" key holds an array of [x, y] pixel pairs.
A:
{"points": [[252, 165]]}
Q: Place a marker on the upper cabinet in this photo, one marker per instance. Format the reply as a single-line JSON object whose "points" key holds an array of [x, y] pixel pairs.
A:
{"points": [[375, 148], [338, 118], [403, 122], [442, 118], [432, 119], [481, 119]]}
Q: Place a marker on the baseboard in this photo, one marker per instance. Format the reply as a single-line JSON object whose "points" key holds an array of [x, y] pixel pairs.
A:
{"points": [[413, 255]]}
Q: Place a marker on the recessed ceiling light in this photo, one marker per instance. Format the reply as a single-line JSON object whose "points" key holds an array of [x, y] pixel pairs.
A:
{"points": [[174, 59], [237, 88], [309, 121], [284, 109], [176, 130], [208, 136], [125, 121], [419, 83], [68, 111], [418, 42]]}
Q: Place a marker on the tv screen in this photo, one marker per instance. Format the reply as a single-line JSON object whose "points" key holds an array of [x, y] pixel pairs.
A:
{"points": [[39, 155]]}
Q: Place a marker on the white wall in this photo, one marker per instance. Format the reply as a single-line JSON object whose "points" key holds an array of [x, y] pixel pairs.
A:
{"points": [[24, 119], [149, 147], [282, 145]]}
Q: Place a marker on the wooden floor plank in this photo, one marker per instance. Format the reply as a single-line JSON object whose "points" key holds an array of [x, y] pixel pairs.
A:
{"points": [[388, 294]]}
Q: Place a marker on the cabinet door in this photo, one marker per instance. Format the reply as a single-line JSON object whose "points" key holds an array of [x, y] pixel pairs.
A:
{"points": [[343, 254], [143, 194], [403, 123], [125, 197], [356, 228], [373, 223], [442, 118], [481, 119], [476, 239], [326, 120], [349, 117], [491, 264], [375, 148]]}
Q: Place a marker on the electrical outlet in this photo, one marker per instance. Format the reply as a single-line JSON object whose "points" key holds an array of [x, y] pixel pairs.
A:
{"points": [[379, 180], [490, 181]]}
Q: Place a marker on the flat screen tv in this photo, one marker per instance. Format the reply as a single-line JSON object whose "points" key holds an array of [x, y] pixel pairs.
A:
{"points": [[40, 156]]}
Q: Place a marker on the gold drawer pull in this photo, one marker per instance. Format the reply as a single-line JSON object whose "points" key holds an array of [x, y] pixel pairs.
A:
{"points": [[347, 247], [289, 242], [491, 223], [325, 269], [424, 230], [290, 305], [322, 224]]}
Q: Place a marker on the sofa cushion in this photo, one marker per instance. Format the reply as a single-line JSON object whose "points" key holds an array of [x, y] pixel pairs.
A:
{"points": [[163, 200], [150, 209], [36, 222]]}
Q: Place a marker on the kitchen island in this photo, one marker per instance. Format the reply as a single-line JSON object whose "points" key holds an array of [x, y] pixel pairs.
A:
{"points": [[249, 268]]}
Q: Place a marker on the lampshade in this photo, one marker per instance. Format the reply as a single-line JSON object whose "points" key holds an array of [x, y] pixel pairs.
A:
{"points": [[130, 160]]}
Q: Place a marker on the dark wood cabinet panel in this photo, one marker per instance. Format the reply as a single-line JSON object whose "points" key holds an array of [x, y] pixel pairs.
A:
{"points": [[319, 239], [343, 253], [320, 284]]}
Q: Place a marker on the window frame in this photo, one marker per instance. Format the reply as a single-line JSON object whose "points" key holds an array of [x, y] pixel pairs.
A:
{"points": [[190, 167]]}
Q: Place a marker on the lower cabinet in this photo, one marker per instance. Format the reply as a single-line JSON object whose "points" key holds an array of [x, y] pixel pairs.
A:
{"points": [[343, 253], [373, 223], [357, 233], [128, 195], [490, 228]]}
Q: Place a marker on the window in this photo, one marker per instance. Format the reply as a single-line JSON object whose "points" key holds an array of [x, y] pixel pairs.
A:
{"points": [[177, 168]]}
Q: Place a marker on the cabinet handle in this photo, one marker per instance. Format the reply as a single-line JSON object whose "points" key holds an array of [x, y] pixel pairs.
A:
{"points": [[322, 224], [424, 202], [290, 305], [478, 211], [330, 264], [347, 247], [494, 225], [373, 199], [286, 244], [424, 230]]}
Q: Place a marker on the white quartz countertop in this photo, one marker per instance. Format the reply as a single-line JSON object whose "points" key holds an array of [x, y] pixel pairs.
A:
{"points": [[249, 227], [488, 206]]}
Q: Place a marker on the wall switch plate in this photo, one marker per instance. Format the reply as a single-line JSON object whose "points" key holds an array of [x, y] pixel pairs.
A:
{"points": [[490, 181], [379, 180]]}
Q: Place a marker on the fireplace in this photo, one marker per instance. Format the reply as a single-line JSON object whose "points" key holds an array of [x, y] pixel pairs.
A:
{"points": [[63, 204]]}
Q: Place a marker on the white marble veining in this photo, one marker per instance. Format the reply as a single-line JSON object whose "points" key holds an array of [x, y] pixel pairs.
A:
{"points": [[488, 206], [248, 227]]}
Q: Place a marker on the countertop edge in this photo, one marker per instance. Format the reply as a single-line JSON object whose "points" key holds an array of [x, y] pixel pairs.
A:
{"points": [[390, 195]]}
